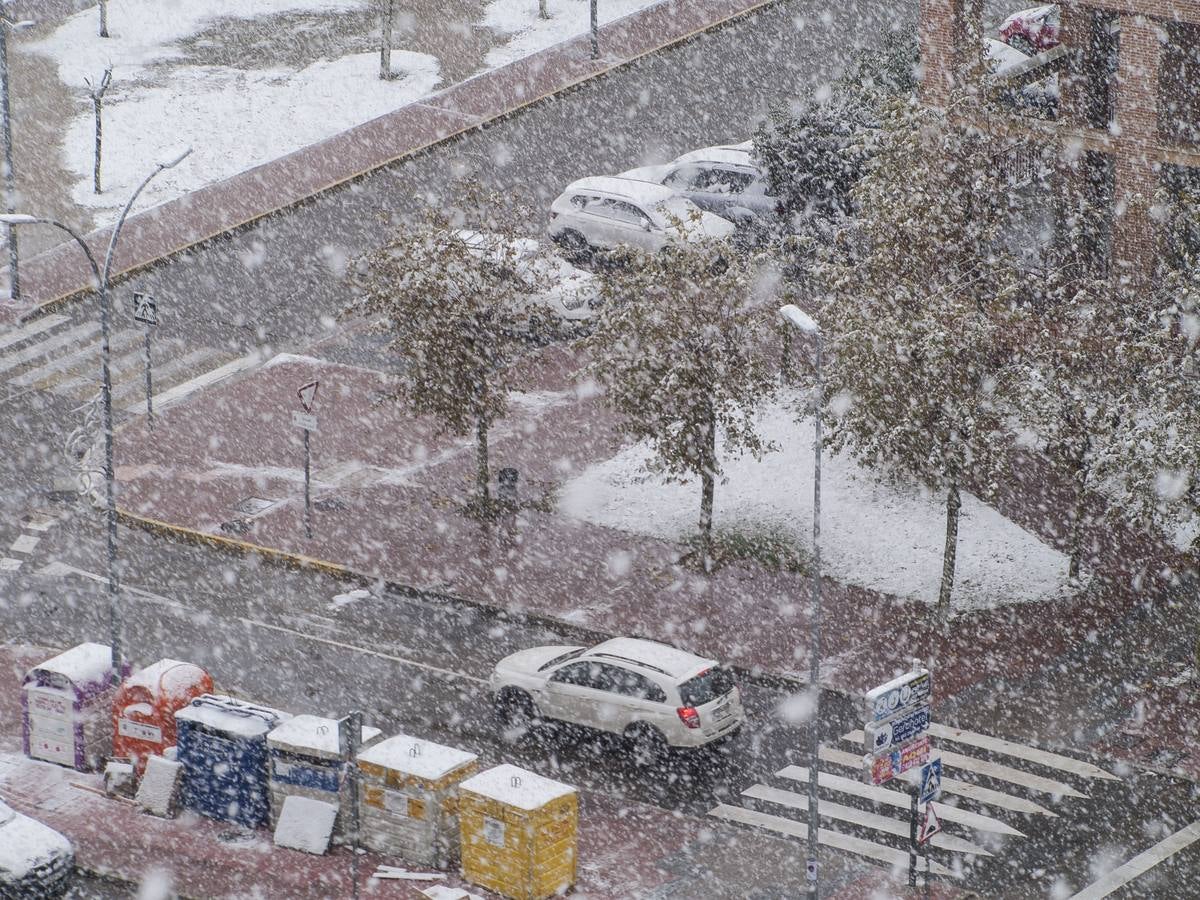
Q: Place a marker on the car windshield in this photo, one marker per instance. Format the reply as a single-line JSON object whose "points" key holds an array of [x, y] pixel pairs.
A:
{"points": [[570, 654], [676, 207], [709, 685]]}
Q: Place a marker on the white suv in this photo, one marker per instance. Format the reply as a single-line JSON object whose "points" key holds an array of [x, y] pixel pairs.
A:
{"points": [[724, 180], [608, 212], [653, 694]]}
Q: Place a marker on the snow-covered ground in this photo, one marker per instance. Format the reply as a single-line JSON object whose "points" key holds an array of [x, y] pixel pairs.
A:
{"points": [[873, 534], [529, 33], [237, 118]]}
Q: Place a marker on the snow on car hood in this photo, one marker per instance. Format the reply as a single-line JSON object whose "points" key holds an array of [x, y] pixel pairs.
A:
{"points": [[25, 844], [647, 173], [529, 661]]}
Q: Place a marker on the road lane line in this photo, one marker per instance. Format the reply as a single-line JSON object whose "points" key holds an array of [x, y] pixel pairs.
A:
{"points": [[1020, 751], [200, 381], [24, 544], [879, 852], [48, 323], [859, 817], [1140, 864], [950, 786], [994, 770], [899, 799], [43, 348]]}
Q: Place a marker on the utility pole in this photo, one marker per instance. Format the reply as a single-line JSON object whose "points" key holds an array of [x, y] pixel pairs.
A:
{"points": [[10, 185], [349, 740]]}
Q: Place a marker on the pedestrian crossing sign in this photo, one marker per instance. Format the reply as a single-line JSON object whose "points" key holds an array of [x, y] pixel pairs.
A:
{"points": [[145, 310], [931, 780], [930, 825]]}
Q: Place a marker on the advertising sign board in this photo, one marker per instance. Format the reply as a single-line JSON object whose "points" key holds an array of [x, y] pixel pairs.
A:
{"points": [[911, 689], [887, 766]]}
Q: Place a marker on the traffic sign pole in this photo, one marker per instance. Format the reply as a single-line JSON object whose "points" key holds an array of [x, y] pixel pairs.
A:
{"points": [[149, 391], [912, 841], [307, 489]]}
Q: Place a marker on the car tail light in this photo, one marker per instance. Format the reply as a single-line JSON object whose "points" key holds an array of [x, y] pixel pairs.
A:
{"points": [[688, 716]]}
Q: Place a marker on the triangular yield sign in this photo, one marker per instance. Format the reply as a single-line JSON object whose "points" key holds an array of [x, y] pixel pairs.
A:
{"points": [[930, 825], [308, 394]]}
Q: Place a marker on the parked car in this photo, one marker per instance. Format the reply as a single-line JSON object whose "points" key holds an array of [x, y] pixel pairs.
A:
{"points": [[653, 695], [561, 297], [724, 180], [607, 212], [1033, 30], [35, 860]]}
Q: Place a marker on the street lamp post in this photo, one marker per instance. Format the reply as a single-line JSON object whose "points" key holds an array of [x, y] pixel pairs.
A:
{"points": [[803, 322], [10, 186], [102, 278]]}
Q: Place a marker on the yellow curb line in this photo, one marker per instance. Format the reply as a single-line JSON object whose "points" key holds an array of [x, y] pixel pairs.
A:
{"points": [[48, 305], [295, 560]]}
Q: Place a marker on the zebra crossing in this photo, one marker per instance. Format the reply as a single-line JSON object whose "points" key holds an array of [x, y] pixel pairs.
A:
{"points": [[873, 821], [58, 355]]}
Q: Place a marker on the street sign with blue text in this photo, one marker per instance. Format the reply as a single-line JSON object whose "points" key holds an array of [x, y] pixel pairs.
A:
{"points": [[879, 737]]}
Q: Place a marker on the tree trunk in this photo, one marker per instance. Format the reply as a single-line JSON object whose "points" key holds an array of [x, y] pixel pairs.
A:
{"points": [[708, 479], [96, 102], [388, 18], [104, 18], [953, 504], [482, 479], [543, 12]]}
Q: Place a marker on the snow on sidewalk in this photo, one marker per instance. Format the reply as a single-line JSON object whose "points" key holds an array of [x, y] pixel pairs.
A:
{"points": [[873, 534]]}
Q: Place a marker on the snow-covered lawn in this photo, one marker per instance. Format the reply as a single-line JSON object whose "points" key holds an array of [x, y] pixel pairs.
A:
{"points": [[234, 119], [530, 33], [237, 118], [873, 534]]}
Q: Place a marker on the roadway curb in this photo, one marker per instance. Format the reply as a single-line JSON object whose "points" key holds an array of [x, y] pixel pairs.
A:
{"points": [[53, 303]]}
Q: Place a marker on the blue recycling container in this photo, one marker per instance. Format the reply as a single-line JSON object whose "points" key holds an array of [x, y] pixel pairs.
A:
{"points": [[222, 746]]}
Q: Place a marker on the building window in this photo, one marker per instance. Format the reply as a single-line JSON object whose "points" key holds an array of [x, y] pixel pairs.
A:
{"points": [[1179, 84], [1100, 57]]}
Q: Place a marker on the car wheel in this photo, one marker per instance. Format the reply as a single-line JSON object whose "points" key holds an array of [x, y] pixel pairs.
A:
{"points": [[647, 743], [575, 244], [1022, 43], [515, 711]]}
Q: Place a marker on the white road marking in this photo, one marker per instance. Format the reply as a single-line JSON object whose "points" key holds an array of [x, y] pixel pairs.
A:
{"points": [[162, 374], [59, 569], [835, 839], [47, 323], [860, 817], [60, 365], [37, 351], [949, 786], [995, 770], [161, 401], [8, 564], [1020, 751], [898, 799], [24, 544], [1140, 864]]}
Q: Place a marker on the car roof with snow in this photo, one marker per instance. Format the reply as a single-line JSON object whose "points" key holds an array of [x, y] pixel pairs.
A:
{"points": [[638, 191], [727, 154], [667, 659]]}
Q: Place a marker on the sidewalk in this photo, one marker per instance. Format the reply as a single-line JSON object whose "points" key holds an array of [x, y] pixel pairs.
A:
{"points": [[165, 230], [388, 493]]}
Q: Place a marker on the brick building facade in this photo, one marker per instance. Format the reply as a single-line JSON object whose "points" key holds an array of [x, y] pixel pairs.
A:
{"points": [[1129, 107]]}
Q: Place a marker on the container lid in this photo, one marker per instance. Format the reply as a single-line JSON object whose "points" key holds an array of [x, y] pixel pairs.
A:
{"points": [[417, 757], [173, 676], [313, 734], [516, 787], [85, 664], [231, 716]]}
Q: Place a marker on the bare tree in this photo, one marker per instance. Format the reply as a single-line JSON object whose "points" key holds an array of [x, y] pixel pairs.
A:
{"points": [[96, 92], [679, 349], [451, 302]]}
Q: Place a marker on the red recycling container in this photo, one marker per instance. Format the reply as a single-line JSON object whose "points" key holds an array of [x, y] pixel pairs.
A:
{"points": [[144, 708]]}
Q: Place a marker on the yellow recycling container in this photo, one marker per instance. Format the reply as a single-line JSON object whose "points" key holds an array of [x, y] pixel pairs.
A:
{"points": [[410, 799], [520, 833]]}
